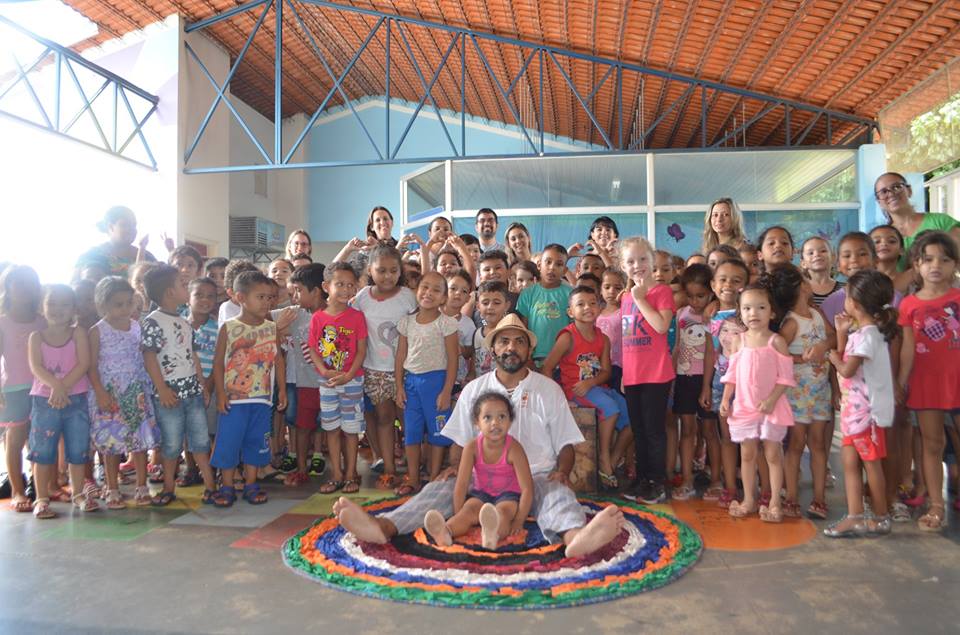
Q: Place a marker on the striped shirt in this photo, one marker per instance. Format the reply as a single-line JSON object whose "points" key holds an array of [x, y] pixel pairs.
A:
{"points": [[205, 342]]}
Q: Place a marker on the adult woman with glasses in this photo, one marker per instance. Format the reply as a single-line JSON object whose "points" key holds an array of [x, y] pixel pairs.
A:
{"points": [[893, 195]]}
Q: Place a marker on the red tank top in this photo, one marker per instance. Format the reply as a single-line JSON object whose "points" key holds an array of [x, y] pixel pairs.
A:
{"points": [[583, 360]]}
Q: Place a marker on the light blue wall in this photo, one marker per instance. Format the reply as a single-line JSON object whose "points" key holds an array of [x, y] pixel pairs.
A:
{"points": [[339, 199]]}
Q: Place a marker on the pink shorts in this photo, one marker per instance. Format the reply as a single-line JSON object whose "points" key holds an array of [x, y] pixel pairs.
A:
{"points": [[759, 430]]}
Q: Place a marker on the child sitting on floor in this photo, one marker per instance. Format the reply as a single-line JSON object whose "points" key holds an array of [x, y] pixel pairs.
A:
{"points": [[246, 359], [497, 468]]}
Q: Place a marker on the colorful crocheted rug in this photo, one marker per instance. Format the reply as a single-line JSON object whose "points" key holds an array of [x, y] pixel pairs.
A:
{"points": [[524, 573]]}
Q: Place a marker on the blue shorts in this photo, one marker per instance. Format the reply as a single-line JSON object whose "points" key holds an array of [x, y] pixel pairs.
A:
{"points": [[17, 410], [47, 425], [493, 500], [420, 415], [341, 408], [243, 434], [607, 402], [187, 419]]}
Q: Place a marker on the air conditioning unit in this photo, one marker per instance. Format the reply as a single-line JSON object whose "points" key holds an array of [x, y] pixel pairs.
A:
{"points": [[253, 232]]}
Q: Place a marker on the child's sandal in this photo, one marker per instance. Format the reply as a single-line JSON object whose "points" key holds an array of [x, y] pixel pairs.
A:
{"points": [[769, 515], [330, 487], [226, 496], [932, 521], [163, 499], [608, 481], [254, 495], [141, 496], [407, 488], [114, 499], [41, 509], [86, 503], [387, 481], [209, 497], [791, 509], [817, 510], [296, 479], [351, 486]]}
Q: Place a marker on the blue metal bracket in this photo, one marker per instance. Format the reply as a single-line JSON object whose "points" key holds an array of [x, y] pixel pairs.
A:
{"points": [[389, 29], [120, 90]]}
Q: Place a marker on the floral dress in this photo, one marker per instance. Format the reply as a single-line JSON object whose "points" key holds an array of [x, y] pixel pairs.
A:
{"points": [[130, 426]]}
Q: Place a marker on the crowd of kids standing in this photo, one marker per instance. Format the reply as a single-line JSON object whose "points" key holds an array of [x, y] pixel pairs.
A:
{"points": [[710, 375]]}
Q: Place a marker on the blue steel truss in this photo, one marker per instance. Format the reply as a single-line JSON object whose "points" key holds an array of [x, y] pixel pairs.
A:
{"points": [[50, 107], [463, 40]]}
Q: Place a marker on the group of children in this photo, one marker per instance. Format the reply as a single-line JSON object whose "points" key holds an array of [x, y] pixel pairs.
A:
{"points": [[731, 361]]}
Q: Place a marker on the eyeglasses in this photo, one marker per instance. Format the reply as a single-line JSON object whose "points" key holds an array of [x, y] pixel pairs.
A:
{"points": [[893, 190]]}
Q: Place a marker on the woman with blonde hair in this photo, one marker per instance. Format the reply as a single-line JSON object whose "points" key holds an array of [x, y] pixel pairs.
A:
{"points": [[723, 225]]}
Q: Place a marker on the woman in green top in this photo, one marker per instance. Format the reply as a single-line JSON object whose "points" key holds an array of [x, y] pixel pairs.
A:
{"points": [[893, 195]]}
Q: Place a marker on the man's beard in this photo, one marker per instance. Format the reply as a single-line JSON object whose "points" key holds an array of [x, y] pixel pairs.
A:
{"points": [[487, 235], [510, 362]]}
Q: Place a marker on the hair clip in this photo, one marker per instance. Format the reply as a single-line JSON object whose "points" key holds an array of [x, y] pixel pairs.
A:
{"points": [[888, 306]]}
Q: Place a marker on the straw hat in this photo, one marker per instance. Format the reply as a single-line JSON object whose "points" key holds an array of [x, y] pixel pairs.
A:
{"points": [[510, 321]]}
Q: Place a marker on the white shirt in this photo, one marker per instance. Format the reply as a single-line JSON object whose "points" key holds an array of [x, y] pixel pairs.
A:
{"points": [[228, 311], [867, 342], [543, 423], [382, 317]]}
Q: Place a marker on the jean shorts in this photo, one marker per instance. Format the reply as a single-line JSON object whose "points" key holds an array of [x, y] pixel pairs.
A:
{"points": [[47, 425], [17, 410], [493, 500], [187, 419]]}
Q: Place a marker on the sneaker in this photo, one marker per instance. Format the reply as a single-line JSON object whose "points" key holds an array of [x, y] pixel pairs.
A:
{"points": [[637, 491], [655, 494], [377, 466], [288, 464], [317, 465], [831, 479], [128, 467]]}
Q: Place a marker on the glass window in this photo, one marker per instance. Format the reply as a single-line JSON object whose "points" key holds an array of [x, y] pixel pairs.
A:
{"points": [[695, 178], [552, 182]]}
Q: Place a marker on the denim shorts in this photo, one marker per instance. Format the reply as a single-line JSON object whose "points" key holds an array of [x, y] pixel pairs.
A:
{"points": [[17, 410], [187, 419], [47, 425], [493, 500]]}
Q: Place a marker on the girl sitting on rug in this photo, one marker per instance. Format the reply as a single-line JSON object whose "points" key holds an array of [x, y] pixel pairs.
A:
{"points": [[496, 471]]}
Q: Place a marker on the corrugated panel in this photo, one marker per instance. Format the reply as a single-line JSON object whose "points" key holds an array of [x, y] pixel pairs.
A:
{"points": [[854, 56]]}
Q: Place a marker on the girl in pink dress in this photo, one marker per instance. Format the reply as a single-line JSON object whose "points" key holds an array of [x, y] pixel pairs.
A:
{"points": [[760, 370]]}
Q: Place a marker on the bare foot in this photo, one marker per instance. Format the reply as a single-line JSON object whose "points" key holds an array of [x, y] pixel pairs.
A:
{"points": [[489, 526], [597, 533], [358, 522], [436, 526]]}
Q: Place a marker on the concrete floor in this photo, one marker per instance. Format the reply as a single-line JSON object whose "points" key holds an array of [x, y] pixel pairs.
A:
{"points": [[135, 572]]}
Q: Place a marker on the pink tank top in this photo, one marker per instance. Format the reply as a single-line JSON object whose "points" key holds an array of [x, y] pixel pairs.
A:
{"points": [[14, 368], [494, 478], [59, 360]]}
